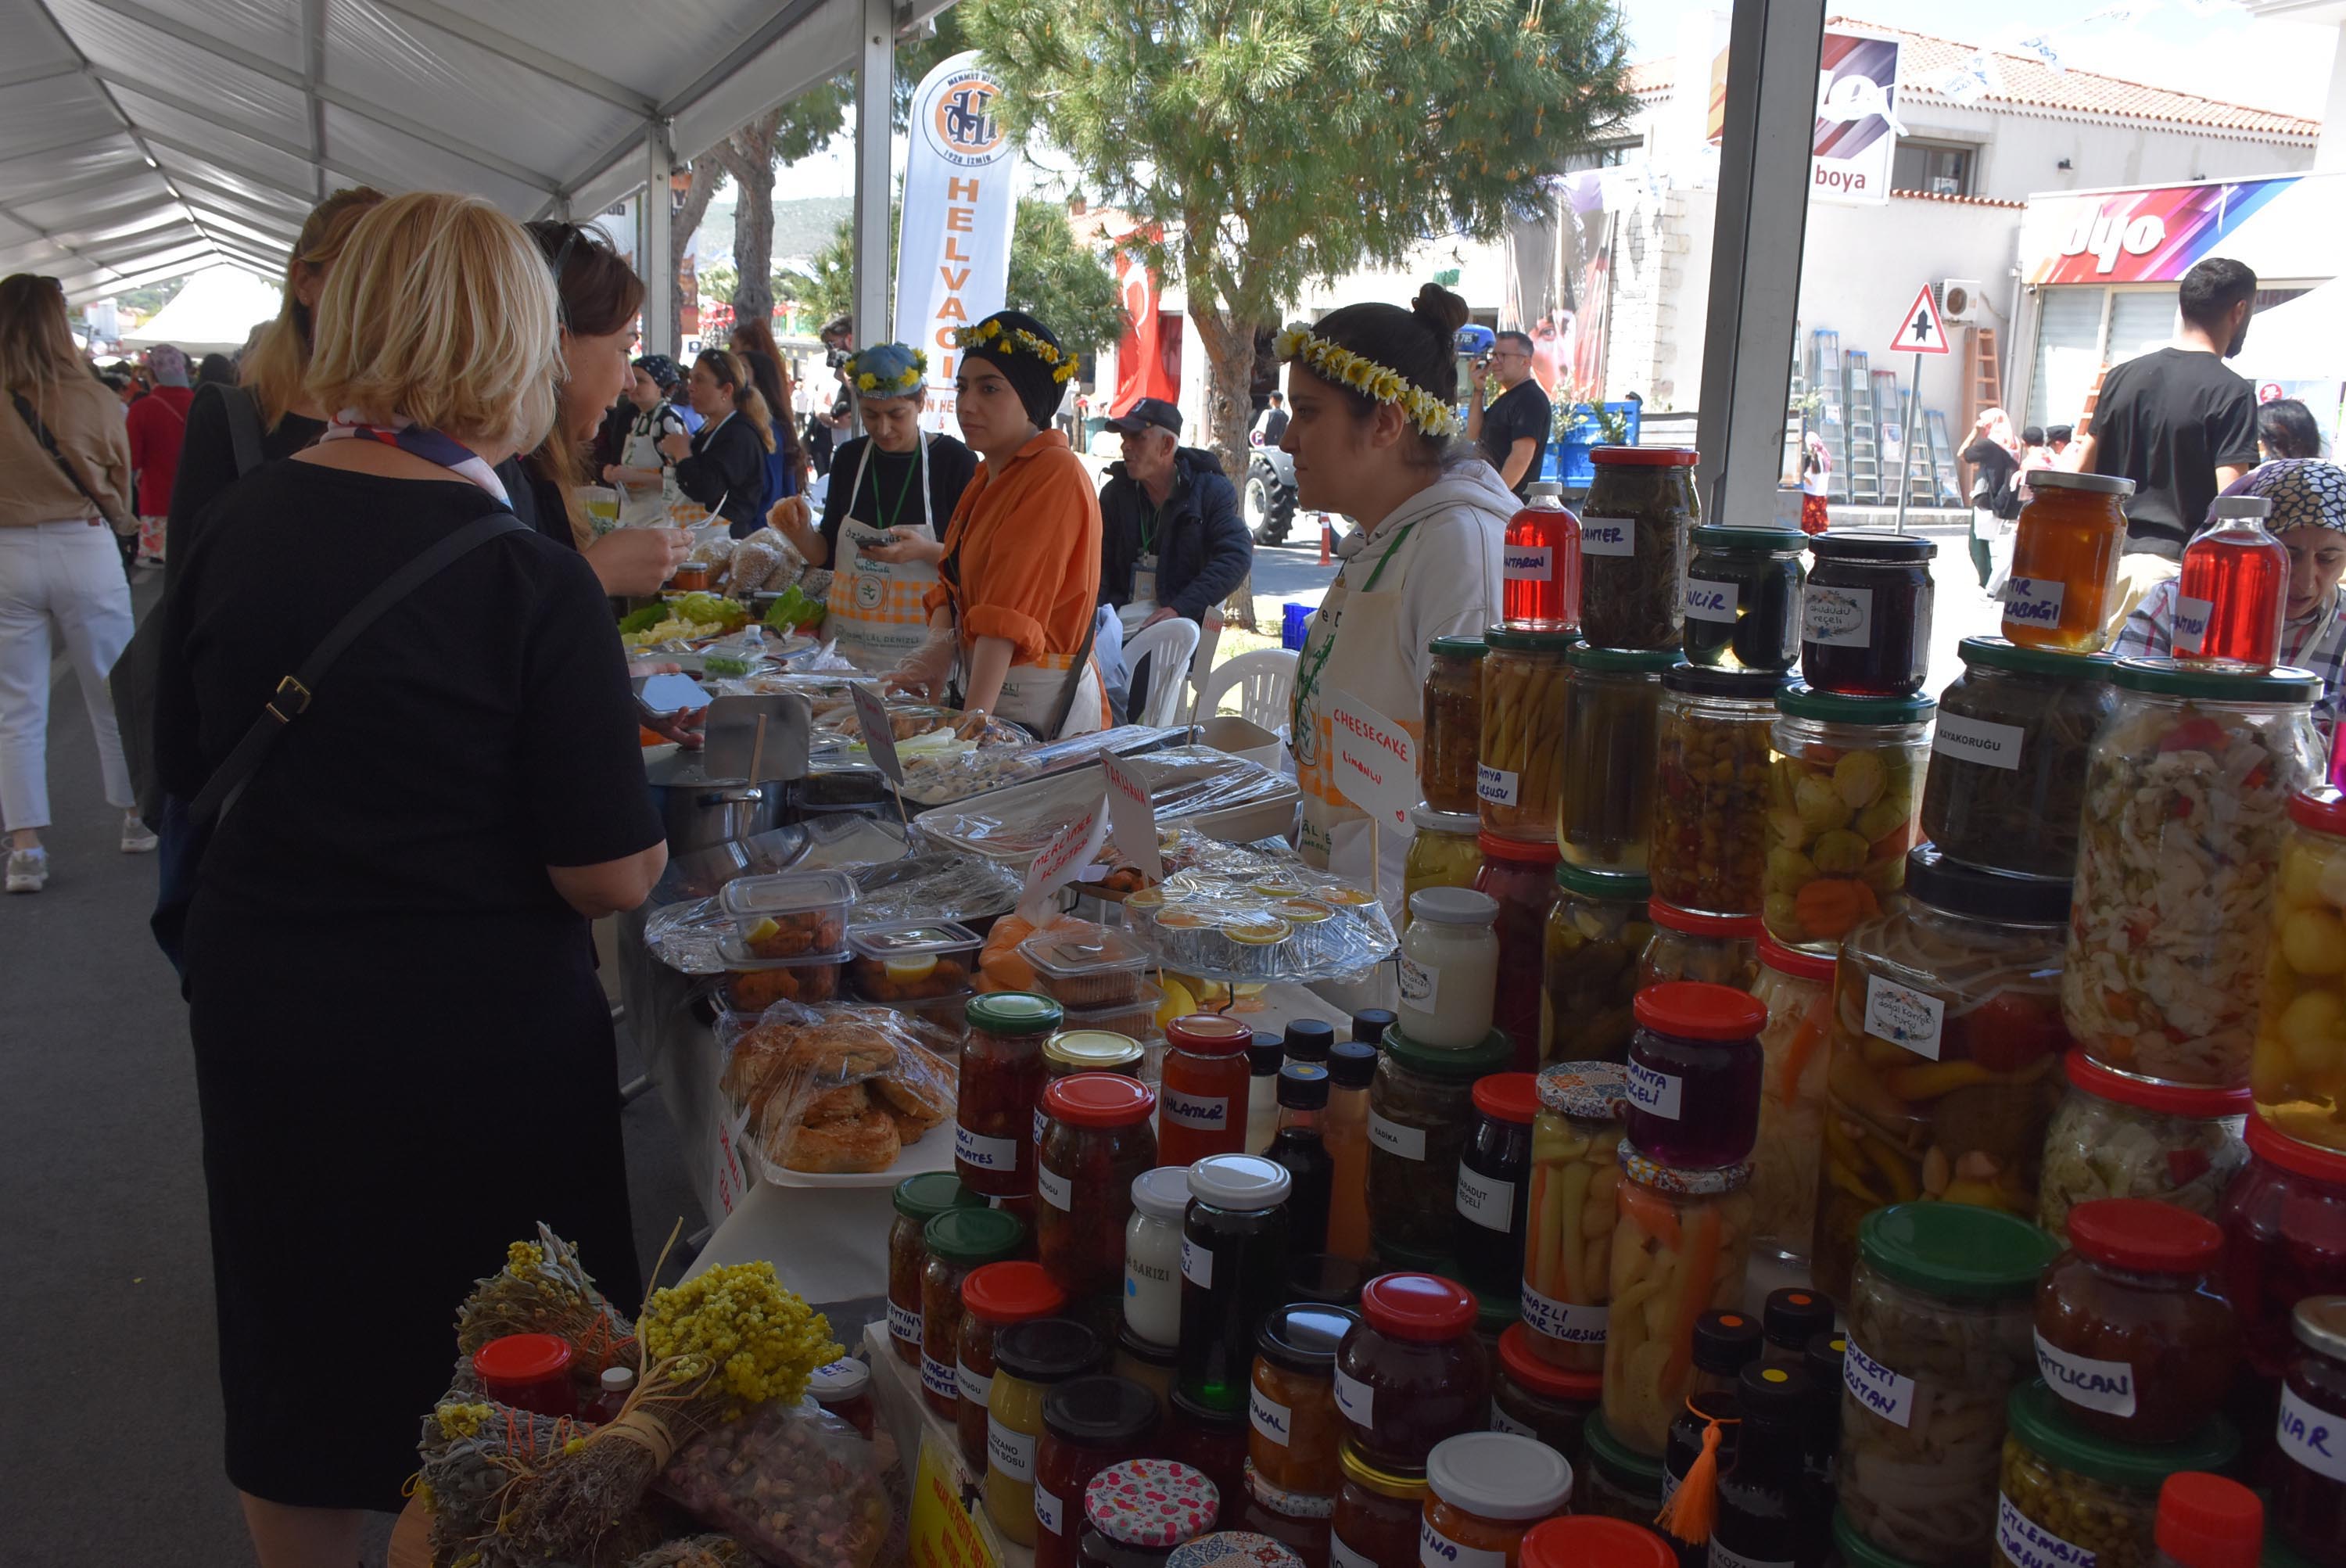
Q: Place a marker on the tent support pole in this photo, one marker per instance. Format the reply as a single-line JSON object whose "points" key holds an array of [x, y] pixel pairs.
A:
{"points": [[876, 91], [659, 277]]}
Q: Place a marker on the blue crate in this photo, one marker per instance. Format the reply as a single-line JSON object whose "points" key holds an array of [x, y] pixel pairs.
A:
{"points": [[1291, 621], [1567, 460]]}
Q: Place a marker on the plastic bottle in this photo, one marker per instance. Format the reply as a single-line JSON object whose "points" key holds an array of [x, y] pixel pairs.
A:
{"points": [[1724, 1344], [2234, 588], [1264, 1058], [619, 1383], [1344, 1133], [1370, 1024], [1310, 1040], [1301, 1145], [1541, 559], [2206, 1522]]}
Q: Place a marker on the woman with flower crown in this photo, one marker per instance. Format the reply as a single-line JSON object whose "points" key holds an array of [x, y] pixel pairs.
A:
{"points": [[1374, 436]]}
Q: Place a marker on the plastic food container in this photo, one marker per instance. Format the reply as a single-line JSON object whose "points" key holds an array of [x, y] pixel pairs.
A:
{"points": [[1713, 789], [1796, 988], [2007, 773], [1294, 1427], [2308, 1478], [2299, 1069], [1847, 800], [1099, 1135], [2284, 1224], [1002, 1078], [1718, 950], [1743, 598], [1086, 969], [1445, 853], [1029, 1360], [1679, 1230], [1522, 749], [1411, 1372], [752, 985], [1594, 934], [1612, 706], [1453, 715], [2065, 560], [1421, 1107], [797, 914], [1636, 531], [1865, 614], [2197, 765], [918, 1201], [1694, 1074], [894, 964], [1568, 1235], [2067, 1496], [1136, 1019], [1484, 1489], [2128, 1332], [2117, 1136], [1521, 875]]}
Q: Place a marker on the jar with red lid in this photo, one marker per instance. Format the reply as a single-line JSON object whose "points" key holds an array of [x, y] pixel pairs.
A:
{"points": [[1097, 1136], [1718, 950], [1521, 875], [1214, 1444], [1484, 1489], [2284, 1225], [1411, 1372], [2117, 1136], [1637, 534], [1202, 1101], [918, 1201], [2309, 1492], [1380, 1512], [1137, 1511], [1533, 1398], [2131, 1334], [1796, 988], [1581, 1540], [994, 1296], [529, 1372], [959, 1240], [1002, 1077], [1088, 1424], [1495, 1183], [1694, 1074]]}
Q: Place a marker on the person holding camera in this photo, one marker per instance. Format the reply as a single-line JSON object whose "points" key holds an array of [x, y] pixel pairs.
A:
{"points": [[1512, 432]]}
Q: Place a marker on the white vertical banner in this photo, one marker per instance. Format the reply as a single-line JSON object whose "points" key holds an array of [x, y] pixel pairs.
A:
{"points": [[953, 261], [1857, 127]]}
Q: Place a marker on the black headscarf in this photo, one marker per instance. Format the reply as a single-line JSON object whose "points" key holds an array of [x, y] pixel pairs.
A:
{"points": [[1035, 378]]}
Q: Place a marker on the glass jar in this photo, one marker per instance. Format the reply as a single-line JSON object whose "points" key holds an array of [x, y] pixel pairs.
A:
{"points": [[1419, 1107], [1718, 950], [1379, 1512], [1796, 988], [1203, 1099], [1152, 1254], [1138, 1511], [1275, 1529], [1847, 801], [1522, 747], [2197, 766], [959, 1241], [1029, 1360], [2284, 1224], [1584, 1539], [2065, 560], [1636, 532], [1495, 1183], [529, 1372], [1453, 715], [1938, 1336], [1098, 1137], [2309, 1482], [2116, 1137], [1483, 1490], [1568, 1239], [1292, 1410], [1694, 1074], [2069, 1497], [1411, 1372], [1073, 1050], [1684, 1237], [1088, 1424], [2128, 1331], [1712, 789], [1449, 967], [2297, 1069], [1621, 1482], [1611, 715], [1743, 598], [918, 1199], [1234, 1258], [1001, 1083], [1214, 1444], [1522, 876], [992, 1298], [1534, 1400], [1153, 1367], [1865, 614], [1446, 851], [1946, 1047], [1540, 563], [1589, 979], [2007, 773]]}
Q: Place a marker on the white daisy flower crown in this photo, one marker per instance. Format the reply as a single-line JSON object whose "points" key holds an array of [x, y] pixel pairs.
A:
{"points": [[1338, 365]]}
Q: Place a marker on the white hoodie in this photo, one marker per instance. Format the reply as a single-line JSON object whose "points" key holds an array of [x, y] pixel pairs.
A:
{"points": [[1450, 572]]}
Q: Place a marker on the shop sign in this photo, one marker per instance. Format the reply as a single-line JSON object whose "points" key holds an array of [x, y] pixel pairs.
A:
{"points": [[2153, 234], [1857, 127]]}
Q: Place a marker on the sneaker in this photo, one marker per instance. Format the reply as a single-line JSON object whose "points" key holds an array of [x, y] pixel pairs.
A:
{"points": [[28, 870], [138, 837]]}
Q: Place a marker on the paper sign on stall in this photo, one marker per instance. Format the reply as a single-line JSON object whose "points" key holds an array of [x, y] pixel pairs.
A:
{"points": [[941, 1532], [729, 1178], [1376, 762], [1068, 852], [879, 736], [1132, 818]]}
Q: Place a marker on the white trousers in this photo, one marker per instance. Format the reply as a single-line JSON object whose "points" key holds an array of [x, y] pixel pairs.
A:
{"points": [[66, 576]]}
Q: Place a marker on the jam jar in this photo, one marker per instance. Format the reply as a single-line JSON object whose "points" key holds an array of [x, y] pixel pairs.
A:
{"points": [[1534, 1400], [1452, 712], [1446, 851], [1421, 1107], [2065, 560], [1637, 534], [1522, 748], [1743, 598], [1411, 1372], [1612, 712], [1938, 1336], [2309, 1496], [1796, 988], [1234, 1258], [1202, 1101], [1073, 1050], [1684, 1238], [1153, 1367], [1292, 1408], [1847, 794], [1152, 1254], [1712, 787], [1029, 1360], [2284, 1224], [2007, 773], [1594, 934], [1568, 1235], [959, 1240], [992, 1298], [528, 1371], [1379, 1513], [2119, 1137], [1098, 1137], [2297, 1070], [1540, 563], [1214, 1444], [1495, 1183], [1621, 1482], [1585, 1540], [1694, 1074], [2128, 1330], [2067, 1496], [1137, 1513], [1484, 1491], [918, 1199], [1088, 1424], [1865, 614], [1718, 950], [1521, 875], [1002, 1077]]}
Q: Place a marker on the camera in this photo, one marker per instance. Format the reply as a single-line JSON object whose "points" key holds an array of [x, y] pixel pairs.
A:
{"points": [[835, 357]]}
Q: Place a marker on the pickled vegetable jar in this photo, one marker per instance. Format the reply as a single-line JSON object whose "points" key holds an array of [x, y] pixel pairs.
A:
{"points": [[2196, 767], [1411, 1372], [1234, 1257], [1594, 934], [2116, 1137], [1097, 1138], [1712, 789], [918, 1201], [1446, 851], [1743, 598], [1568, 1235], [1495, 1183], [2129, 1333], [1002, 1077], [2308, 1494], [1865, 614], [2007, 775], [1378, 1510], [1846, 800], [2284, 1224], [1694, 1074], [1453, 715], [1939, 1315], [1522, 747], [2299, 1069], [1796, 988], [1421, 1108], [2069, 1497], [1611, 716], [1295, 1428], [1718, 950], [1946, 1048], [2065, 560], [1621, 1482], [1683, 1242], [1484, 1490], [1521, 875], [1637, 534], [994, 1297]]}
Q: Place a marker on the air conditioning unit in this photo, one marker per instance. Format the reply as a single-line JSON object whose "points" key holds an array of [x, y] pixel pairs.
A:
{"points": [[1959, 301]]}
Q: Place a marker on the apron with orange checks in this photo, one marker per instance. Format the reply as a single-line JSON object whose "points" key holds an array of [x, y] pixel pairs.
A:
{"points": [[875, 617]]}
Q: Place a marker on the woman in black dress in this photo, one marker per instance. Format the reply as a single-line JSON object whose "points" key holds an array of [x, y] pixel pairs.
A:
{"points": [[402, 1058], [722, 464]]}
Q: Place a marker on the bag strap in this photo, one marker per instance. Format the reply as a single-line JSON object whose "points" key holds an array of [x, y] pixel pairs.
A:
{"points": [[65, 465], [243, 428], [1060, 709], [298, 690]]}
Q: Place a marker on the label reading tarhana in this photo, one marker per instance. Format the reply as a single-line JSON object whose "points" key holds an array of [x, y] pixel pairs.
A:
{"points": [[1608, 535]]}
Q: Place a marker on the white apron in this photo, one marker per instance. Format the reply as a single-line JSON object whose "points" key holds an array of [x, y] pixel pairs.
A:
{"points": [[643, 506], [875, 617], [1030, 692]]}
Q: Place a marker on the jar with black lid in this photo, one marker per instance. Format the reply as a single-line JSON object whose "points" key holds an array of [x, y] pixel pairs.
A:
{"points": [[1724, 1344], [1636, 531], [2007, 776], [1743, 598], [1495, 1183], [1865, 614], [1088, 1424]]}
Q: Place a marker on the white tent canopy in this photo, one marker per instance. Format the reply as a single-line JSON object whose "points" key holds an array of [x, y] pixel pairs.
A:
{"points": [[213, 313], [2301, 340]]}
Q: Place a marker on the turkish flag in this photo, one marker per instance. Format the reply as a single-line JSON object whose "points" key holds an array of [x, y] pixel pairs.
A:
{"points": [[1142, 367]]}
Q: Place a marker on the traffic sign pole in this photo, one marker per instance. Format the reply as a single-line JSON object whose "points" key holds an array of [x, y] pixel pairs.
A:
{"points": [[1921, 331], [1906, 452]]}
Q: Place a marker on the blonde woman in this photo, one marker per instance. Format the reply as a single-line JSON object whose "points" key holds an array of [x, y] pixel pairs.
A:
{"points": [[64, 474], [402, 1057]]}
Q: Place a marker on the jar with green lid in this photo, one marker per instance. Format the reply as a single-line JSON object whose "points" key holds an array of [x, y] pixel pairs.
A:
{"points": [[1743, 598], [1611, 716], [1857, 1552], [2068, 1496], [1443, 852], [1939, 1318], [1637, 534], [1712, 787], [919, 1200], [1453, 715], [2007, 773], [1619, 1482], [1521, 745], [1002, 1078], [960, 1240], [1420, 1110], [1589, 972], [1846, 799]]}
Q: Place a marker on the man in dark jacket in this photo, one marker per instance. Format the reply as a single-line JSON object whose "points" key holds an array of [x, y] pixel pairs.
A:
{"points": [[1171, 543]]}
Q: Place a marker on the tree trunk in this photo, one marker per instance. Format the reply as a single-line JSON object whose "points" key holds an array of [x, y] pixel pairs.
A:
{"points": [[749, 157], [1229, 356], [708, 174]]}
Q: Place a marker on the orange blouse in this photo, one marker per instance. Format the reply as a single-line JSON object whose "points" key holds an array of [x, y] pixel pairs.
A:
{"points": [[1028, 546]]}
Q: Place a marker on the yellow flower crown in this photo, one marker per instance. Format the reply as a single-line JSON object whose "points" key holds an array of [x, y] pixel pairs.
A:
{"points": [[911, 380], [1344, 367], [994, 336]]}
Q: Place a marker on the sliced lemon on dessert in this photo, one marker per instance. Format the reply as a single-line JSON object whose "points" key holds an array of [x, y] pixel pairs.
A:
{"points": [[913, 969]]}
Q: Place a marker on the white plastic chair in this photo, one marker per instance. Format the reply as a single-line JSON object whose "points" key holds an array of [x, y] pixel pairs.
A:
{"points": [[1166, 646], [1263, 679]]}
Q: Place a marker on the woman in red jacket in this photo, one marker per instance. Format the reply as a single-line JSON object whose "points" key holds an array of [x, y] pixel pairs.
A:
{"points": [[157, 423]]}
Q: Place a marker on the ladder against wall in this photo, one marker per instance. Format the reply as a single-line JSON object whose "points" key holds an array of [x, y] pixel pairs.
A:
{"points": [[1863, 480], [1983, 371], [1832, 418]]}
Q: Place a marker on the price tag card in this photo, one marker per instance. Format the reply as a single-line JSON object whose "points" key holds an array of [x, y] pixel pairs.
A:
{"points": [[1068, 852], [1132, 818], [879, 736], [1376, 760]]}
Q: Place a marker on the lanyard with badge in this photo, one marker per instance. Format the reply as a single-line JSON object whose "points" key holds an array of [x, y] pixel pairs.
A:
{"points": [[1307, 673], [1144, 567]]}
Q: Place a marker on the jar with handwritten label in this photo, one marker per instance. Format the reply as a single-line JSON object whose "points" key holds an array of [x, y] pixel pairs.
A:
{"points": [[1743, 598], [1521, 875], [1540, 563], [2130, 1330], [2007, 772], [1097, 1138], [1292, 1408], [1449, 967], [1202, 1101], [2309, 1497], [993, 1298], [1694, 1074], [918, 1201], [2070, 1499], [1411, 1372], [1090, 1424], [1865, 614], [2065, 560], [1495, 1183], [1484, 1489], [959, 1241], [1568, 1237], [1521, 754], [1002, 1078], [1536, 1400], [1637, 534], [1234, 1262], [1030, 1360], [1379, 1512], [1420, 1110], [1152, 1255]]}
